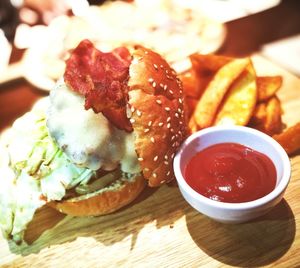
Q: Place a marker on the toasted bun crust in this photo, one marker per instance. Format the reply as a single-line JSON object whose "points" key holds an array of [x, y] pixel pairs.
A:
{"points": [[105, 201], [157, 114]]}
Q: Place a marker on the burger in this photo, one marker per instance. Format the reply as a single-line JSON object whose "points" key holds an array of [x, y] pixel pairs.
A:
{"points": [[110, 127]]}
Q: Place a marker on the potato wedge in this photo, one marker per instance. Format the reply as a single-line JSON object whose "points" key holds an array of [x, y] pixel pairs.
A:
{"points": [[290, 139], [267, 117], [192, 126], [240, 101], [273, 121], [267, 86], [189, 83], [205, 67], [259, 116], [213, 95]]}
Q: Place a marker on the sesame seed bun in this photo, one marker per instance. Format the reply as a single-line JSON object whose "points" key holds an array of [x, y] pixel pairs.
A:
{"points": [[158, 121], [157, 114]]}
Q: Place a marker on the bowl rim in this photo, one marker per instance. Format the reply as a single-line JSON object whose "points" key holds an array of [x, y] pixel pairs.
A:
{"points": [[277, 191]]}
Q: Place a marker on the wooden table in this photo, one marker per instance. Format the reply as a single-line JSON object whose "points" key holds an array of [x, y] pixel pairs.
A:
{"points": [[160, 229]]}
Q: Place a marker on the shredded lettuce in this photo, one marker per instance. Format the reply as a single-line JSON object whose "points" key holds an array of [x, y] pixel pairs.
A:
{"points": [[30, 169]]}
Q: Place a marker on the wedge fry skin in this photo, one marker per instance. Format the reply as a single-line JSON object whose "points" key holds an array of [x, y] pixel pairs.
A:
{"points": [[267, 117], [212, 97], [267, 86], [289, 139], [273, 120], [205, 66], [239, 103], [259, 116]]}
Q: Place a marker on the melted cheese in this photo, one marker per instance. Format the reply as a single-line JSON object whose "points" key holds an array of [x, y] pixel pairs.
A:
{"points": [[88, 139]]}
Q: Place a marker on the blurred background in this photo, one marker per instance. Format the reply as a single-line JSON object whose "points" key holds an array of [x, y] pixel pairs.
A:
{"points": [[36, 36]]}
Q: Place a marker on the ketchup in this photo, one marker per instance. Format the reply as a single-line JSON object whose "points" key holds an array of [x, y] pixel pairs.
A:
{"points": [[231, 172]]}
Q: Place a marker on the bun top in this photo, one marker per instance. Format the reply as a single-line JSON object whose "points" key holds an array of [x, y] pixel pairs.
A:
{"points": [[142, 81], [157, 114]]}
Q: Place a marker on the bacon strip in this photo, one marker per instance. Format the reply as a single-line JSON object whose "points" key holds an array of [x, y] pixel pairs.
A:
{"points": [[102, 78]]}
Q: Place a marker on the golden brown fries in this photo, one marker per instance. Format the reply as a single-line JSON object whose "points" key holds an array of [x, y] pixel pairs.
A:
{"points": [[213, 95], [224, 91], [205, 67], [267, 117], [290, 139], [267, 86], [259, 116], [239, 103], [273, 121], [189, 84], [192, 126]]}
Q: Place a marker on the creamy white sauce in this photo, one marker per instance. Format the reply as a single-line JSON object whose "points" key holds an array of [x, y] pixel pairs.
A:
{"points": [[87, 138]]}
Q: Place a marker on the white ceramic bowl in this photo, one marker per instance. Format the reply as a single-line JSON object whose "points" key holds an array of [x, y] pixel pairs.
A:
{"points": [[233, 212]]}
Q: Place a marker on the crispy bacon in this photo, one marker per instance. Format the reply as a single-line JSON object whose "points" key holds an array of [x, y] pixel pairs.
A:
{"points": [[102, 79]]}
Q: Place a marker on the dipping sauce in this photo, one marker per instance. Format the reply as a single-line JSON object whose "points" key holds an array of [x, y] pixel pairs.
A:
{"points": [[231, 172]]}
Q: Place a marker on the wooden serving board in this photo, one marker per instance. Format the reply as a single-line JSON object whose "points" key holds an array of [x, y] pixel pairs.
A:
{"points": [[161, 230]]}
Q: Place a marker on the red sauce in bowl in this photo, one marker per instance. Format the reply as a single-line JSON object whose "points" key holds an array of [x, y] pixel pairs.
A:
{"points": [[231, 172]]}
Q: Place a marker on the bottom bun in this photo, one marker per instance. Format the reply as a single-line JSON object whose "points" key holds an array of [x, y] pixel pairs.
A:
{"points": [[105, 201]]}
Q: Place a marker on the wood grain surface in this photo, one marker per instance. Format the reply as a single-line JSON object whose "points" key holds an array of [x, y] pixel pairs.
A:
{"points": [[161, 230]]}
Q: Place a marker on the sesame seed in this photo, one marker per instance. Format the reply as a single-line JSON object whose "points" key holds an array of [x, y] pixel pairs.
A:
{"points": [[146, 52], [155, 66], [154, 84], [168, 125], [166, 157], [132, 109], [180, 100], [173, 137], [150, 80], [167, 109], [165, 87], [177, 115], [172, 156], [132, 120], [171, 91], [146, 130], [161, 85], [152, 139], [146, 169], [172, 130], [162, 182], [154, 175], [158, 101], [167, 71], [166, 162], [169, 119], [155, 158], [160, 124], [140, 158], [161, 66], [128, 112], [180, 122], [179, 110], [150, 123], [168, 173]]}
